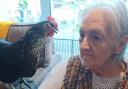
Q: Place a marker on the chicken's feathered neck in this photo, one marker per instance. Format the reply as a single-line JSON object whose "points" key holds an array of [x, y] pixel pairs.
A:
{"points": [[36, 35], [33, 40]]}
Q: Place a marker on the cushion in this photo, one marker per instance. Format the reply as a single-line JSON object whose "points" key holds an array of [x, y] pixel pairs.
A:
{"points": [[4, 27]]}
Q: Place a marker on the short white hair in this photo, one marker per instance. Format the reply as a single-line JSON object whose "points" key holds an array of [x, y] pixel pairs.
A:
{"points": [[118, 10]]}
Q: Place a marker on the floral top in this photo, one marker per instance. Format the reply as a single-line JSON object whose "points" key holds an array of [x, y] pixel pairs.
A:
{"points": [[77, 77]]}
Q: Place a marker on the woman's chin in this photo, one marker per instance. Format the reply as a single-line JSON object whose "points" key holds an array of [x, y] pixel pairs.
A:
{"points": [[87, 61]]}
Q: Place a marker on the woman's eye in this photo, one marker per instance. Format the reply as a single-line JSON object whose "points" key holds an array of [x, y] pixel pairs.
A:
{"points": [[96, 38], [82, 34]]}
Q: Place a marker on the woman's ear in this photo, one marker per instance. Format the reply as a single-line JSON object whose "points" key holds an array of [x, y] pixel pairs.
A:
{"points": [[122, 44]]}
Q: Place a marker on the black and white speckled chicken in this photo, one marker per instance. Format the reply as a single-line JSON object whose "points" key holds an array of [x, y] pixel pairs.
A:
{"points": [[20, 59]]}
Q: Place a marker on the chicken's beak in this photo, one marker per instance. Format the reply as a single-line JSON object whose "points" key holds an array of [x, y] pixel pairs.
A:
{"points": [[56, 30]]}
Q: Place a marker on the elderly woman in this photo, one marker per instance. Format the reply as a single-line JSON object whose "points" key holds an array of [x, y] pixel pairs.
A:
{"points": [[100, 65]]}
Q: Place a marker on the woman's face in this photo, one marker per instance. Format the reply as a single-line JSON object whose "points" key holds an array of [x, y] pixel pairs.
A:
{"points": [[97, 39]]}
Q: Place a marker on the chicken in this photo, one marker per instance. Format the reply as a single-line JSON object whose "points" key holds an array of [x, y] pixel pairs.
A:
{"points": [[21, 58]]}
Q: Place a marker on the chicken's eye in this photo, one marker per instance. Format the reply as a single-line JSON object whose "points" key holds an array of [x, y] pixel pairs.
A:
{"points": [[52, 25]]}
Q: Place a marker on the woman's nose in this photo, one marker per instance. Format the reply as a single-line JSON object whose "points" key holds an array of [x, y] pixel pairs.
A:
{"points": [[84, 44]]}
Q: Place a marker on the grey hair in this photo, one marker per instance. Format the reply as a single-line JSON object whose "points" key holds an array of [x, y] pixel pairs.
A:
{"points": [[119, 12]]}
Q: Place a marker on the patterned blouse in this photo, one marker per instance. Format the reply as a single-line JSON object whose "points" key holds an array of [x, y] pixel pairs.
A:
{"points": [[77, 77]]}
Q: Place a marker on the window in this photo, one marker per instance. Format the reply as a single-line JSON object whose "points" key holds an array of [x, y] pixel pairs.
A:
{"points": [[66, 12], [20, 10]]}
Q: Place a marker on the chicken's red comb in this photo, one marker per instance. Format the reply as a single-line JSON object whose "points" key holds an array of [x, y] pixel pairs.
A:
{"points": [[52, 20]]}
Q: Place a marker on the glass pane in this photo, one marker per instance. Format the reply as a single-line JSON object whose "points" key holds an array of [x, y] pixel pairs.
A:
{"points": [[20, 10], [66, 12]]}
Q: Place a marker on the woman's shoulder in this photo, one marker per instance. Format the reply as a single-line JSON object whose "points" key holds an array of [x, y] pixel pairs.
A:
{"points": [[74, 59]]}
